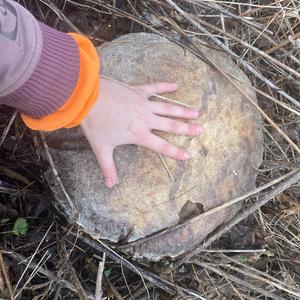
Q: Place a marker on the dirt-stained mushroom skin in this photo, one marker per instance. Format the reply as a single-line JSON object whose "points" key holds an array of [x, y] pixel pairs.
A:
{"points": [[223, 164]]}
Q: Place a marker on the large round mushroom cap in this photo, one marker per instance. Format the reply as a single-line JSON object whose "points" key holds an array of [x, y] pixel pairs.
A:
{"points": [[223, 163]]}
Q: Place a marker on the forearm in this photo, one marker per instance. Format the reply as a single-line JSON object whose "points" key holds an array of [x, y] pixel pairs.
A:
{"points": [[39, 66]]}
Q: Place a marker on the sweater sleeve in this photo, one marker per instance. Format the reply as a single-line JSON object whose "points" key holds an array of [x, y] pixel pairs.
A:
{"points": [[39, 66]]}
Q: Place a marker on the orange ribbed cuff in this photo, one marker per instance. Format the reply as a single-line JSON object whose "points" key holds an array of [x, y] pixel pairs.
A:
{"points": [[83, 96]]}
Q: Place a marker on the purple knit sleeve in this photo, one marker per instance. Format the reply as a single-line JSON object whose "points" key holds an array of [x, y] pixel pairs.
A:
{"points": [[53, 76]]}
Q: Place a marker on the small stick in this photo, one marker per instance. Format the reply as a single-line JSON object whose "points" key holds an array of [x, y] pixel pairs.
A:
{"points": [[61, 15], [32, 257], [113, 16], [234, 250], [242, 215], [99, 291], [246, 65], [245, 4], [284, 105], [6, 278], [224, 29], [270, 282], [219, 207], [237, 280], [249, 46], [281, 44], [55, 173], [154, 95], [67, 265], [125, 280], [113, 289], [257, 107], [52, 277], [154, 279], [6, 130], [166, 167], [44, 258], [233, 54], [172, 100], [265, 275]]}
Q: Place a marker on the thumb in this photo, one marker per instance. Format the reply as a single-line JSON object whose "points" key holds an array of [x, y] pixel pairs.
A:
{"points": [[107, 165]]}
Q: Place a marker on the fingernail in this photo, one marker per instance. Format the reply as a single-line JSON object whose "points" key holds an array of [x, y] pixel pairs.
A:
{"points": [[108, 182], [186, 155]]}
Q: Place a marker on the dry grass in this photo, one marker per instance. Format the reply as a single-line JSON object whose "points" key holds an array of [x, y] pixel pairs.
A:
{"points": [[257, 255]]}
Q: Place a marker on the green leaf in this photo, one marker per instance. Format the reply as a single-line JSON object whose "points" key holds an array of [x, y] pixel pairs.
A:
{"points": [[242, 258], [20, 227], [107, 272]]}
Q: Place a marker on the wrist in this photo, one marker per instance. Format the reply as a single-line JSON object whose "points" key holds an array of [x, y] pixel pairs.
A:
{"points": [[84, 95]]}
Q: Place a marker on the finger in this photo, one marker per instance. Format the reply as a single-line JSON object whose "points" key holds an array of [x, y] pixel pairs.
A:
{"points": [[107, 165], [171, 110], [163, 147], [158, 88], [177, 127]]}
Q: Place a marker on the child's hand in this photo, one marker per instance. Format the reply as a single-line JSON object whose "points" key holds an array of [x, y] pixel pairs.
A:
{"points": [[124, 115]]}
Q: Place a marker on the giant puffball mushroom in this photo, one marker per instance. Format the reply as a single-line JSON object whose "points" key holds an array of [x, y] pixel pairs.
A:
{"points": [[223, 165]]}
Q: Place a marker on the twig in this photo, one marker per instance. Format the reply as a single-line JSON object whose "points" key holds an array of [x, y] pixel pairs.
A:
{"points": [[229, 51], [35, 270], [234, 250], [6, 278], [6, 130], [52, 277], [284, 105], [242, 215], [73, 275], [14, 175], [271, 282], [282, 44], [213, 5], [249, 46], [254, 25], [141, 291], [61, 15], [257, 107], [32, 257], [153, 95], [113, 289], [230, 79], [156, 280], [166, 167], [74, 209], [215, 209], [125, 280], [99, 291], [245, 3], [236, 279]]}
